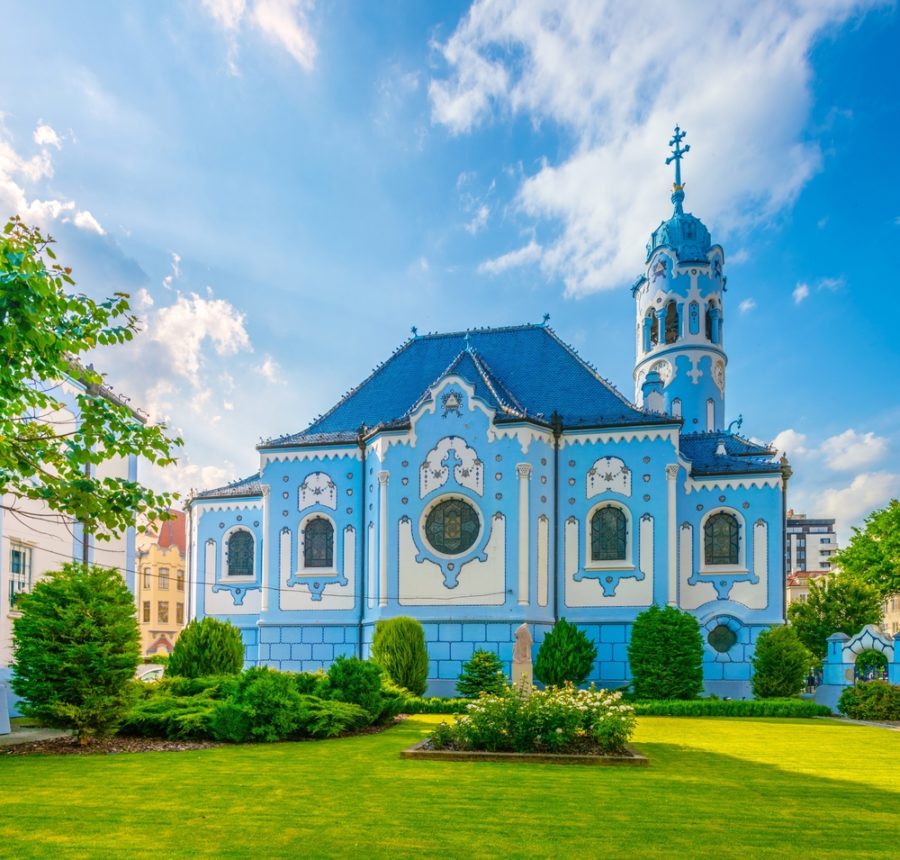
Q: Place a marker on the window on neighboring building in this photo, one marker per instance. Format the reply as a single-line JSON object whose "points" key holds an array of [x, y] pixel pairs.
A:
{"points": [[720, 539], [179, 580], [164, 578], [19, 570], [318, 543], [146, 615], [162, 612], [671, 322], [147, 577], [609, 534], [240, 553], [179, 613]]}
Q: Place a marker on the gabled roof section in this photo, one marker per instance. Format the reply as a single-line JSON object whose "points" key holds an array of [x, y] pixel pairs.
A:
{"points": [[741, 456], [172, 532], [522, 371], [249, 486]]}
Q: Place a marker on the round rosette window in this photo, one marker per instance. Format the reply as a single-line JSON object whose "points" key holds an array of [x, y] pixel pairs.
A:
{"points": [[452, 527], [722, 638]]}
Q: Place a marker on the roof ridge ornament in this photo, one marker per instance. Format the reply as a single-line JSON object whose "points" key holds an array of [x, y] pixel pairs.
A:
{"points": [[677, 154]]}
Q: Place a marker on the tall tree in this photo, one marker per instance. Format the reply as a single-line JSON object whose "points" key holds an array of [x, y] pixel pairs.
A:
{"points": [[44, 327], [836, 604], [873, 553]]}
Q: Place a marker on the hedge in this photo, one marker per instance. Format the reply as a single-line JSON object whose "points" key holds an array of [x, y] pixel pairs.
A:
{"points": [[803, 708]]}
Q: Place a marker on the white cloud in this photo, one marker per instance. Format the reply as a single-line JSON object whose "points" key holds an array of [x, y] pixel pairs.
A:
{"points": [[746, 305], [269, 370], [183, 327], [739, 256], [479, 219], [852, 450], [830, 284], [176, 271], [283, 22], [185, 476], [529, 253], [44, 135], [791, 442], [866, 492], [801, 292], [608, 74], [84, 220]]}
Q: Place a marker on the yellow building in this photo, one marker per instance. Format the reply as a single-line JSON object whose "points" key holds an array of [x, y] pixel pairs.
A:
{"points": [[161, 590], [891, 623]]}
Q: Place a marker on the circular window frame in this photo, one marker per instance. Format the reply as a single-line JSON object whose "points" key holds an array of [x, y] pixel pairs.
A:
{"points": [[727, 633], [426, 513]]}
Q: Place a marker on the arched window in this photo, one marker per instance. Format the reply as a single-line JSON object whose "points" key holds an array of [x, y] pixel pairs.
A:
{"points": [[671, 322], [654, 328], [609, 535], [709, 321], [318, 543], [240, 553], [676, 408], [720, 539]]}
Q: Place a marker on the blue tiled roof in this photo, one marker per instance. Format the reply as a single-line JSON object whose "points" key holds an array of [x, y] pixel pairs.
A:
{"points": [[519, 371], [249, 486], [741, 455]]}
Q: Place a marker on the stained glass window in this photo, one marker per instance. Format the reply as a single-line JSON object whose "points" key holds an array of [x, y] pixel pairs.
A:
{"points": [[452, 527], [721, 638], [318, 543], [720, 539], [240, 554], [608, 535]]}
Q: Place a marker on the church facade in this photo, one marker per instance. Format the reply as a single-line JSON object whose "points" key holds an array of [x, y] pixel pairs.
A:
{"points": [[481, 479]]}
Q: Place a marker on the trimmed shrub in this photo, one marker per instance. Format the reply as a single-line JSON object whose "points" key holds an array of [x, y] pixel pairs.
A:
{"points": [[871, 700], [207, 647], [565, 655], [798, 708], [433, 705], [307, 683], [174, 717], [270, 705], [780, 664], [322, 718], [399, 647], [482, 674], [666, 654], [356, 681], [76, 648]]}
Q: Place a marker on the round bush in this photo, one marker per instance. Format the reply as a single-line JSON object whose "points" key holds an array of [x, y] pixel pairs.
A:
{"points": [[399, 646], [358, 682], [565, 656], [666, 654], [482, 674], [871, 700], [76, 649], [780, 664], [207, 647]]}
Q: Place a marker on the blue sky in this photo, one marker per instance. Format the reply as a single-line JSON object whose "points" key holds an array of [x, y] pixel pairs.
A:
{"points": [[285, 188]]}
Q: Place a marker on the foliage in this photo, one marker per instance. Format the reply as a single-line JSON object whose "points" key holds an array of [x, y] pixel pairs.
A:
{"points": [[76, 648], [871, 700], [794, 708], [265, 707], [871, 662], [556, 719], [565, 655], [307, 683], [666, 654], [482, 674], [207, 647], [873, 554], [158, 660], [323, 718], [164, 715], [399, 646], [836, 604], [44, 327], [781, 664], [357, 681]]}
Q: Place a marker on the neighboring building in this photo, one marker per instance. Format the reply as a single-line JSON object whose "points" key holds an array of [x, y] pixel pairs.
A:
{"points": [[34, 540], [809, 544], [797, 584], [891, 622], [160, 590], [481, 479]]}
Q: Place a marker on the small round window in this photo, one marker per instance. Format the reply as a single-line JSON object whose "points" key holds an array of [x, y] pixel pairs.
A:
{"points": [[721, 638], [452, 527]]}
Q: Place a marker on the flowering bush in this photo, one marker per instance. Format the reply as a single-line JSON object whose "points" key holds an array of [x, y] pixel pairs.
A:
{"points": [[557, 719]]}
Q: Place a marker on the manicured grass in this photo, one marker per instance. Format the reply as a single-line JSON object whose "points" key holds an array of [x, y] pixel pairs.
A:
{"points": [[715, 787]]}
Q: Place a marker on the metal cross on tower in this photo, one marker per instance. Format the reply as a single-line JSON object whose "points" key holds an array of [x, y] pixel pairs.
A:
{"points": [[677, 154]]}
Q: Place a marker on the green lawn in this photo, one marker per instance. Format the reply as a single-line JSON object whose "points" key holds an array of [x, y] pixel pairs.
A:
{"points": [[715, 787]]}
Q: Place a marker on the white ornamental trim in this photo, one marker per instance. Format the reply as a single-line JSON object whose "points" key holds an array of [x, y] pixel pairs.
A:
{"points": [[351, 453], [695, 484], [605, 436]]}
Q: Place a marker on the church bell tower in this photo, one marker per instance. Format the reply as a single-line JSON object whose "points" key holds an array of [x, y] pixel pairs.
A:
{"points": [[680, 354]]}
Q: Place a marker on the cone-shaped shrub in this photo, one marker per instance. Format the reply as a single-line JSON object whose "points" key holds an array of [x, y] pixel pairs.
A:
{"points": [[482, 674], [780, 664], [666, 654], [207, 647], [399, 647], [566, 654]]}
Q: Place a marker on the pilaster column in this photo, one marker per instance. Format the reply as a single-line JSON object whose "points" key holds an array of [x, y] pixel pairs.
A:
{"points": [[523, 470], [671, 536], [661, 325], [264, 581], [383, 478]]}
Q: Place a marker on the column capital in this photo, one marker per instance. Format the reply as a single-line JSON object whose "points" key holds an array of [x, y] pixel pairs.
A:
{"points": [[523, 470], [383, 477], [672, 471]]}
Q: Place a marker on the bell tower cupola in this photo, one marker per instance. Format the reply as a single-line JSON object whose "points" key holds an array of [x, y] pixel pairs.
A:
{"points": [[679, 305]]}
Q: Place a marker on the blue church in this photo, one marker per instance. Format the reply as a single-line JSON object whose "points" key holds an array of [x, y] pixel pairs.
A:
{"points": [[481, 479]]}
